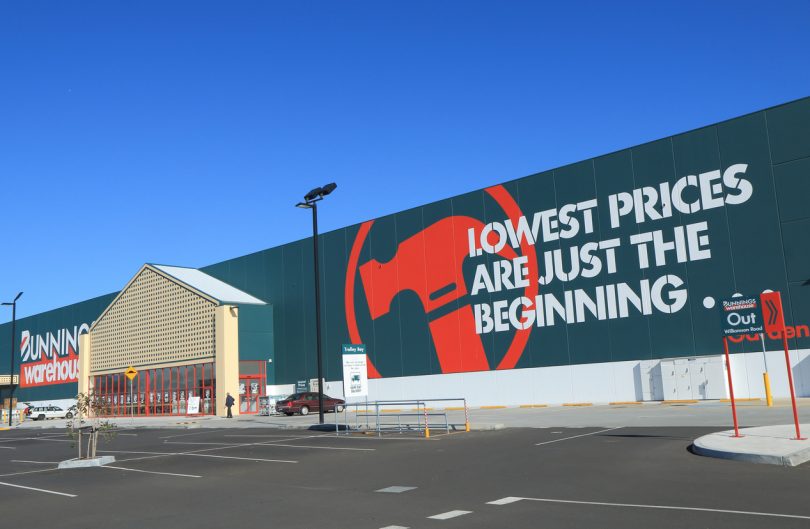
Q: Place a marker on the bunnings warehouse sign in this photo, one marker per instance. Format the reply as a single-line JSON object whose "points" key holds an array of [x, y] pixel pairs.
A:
{"points": [[48, 348], [741, 315], [50, 358]]}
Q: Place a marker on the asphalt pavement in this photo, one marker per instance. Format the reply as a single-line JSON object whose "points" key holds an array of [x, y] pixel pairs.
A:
{"points": [[606, 477]]}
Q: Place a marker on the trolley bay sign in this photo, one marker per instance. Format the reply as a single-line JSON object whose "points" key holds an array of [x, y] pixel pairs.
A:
{"points": [[741, 315], [355, 371]]}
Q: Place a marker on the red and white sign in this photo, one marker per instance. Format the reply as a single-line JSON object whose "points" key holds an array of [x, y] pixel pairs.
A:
{"points": [[772, 314]]}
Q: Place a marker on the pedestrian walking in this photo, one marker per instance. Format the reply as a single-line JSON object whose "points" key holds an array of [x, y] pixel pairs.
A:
{"points": [[228, 404]]}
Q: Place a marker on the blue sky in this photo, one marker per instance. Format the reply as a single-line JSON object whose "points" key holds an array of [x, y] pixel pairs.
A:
{"points": [[145, 131]]}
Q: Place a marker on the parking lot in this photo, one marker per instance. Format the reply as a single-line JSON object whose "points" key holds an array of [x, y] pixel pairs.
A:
{"points": [[516, 477]]}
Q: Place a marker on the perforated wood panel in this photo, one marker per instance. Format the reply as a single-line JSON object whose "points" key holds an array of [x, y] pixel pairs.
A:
{"points": [[153, 321]]}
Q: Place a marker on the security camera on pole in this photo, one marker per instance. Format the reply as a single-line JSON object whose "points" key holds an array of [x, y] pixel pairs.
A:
{"points": [[311, 200]]}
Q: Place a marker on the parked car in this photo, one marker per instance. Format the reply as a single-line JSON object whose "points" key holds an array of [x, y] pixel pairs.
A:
{"points": [[39, 413], [304, 403]]}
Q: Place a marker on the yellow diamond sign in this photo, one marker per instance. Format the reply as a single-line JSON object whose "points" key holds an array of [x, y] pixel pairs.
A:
{"points": [[131, 372]]}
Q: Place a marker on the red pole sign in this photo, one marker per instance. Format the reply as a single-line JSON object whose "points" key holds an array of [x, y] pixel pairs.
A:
{"points": [[731, 389], [772, 312], [774, 320]]}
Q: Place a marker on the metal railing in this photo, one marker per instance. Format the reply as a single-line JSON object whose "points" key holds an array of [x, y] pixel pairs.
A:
{"points": [[382, 416]]}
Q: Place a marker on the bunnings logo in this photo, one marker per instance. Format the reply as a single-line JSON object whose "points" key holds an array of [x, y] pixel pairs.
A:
{"points": [[430, 264], [50, 358]]}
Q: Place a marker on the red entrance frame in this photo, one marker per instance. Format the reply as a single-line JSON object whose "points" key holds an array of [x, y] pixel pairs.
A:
{"points": [[158, 391], [250, 399]]}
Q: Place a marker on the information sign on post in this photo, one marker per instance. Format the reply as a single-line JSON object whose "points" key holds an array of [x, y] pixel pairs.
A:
{"points": [[740, 315], [301, 386], [355, 371]]}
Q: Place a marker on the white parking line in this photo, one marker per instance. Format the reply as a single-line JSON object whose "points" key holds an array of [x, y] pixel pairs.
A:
{"points": [[38, 490], [28, 472], [394, 527], [318, 447], [152, 472], [12, 439], [138, 452], [242, 458], [504, 501], [39, 462], [448, 515], [575, 436], [194, 443], [193, 433], [271, 435], [7, 447]]}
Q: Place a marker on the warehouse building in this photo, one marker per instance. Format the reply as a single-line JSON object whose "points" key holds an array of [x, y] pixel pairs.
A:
{"points": [[594, 282]]}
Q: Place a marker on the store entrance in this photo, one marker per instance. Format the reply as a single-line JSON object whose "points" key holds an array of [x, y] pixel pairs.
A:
{"points": [[249, 393], [157, 391], [252, 380]]}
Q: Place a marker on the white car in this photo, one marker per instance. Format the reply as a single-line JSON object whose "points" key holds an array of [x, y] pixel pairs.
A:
{"points": [[49, 412]]}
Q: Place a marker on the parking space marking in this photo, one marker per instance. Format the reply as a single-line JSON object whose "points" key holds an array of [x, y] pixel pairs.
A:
{"points": [[28, 472], [194, 443], [242, 458], [394, 527], [138, 452], [663, 507], [198, 453], [449, 514], [152, 472], [270, 435], [318, 447], [38, 490], [575, 436], [193, 433], [39, 462], [12, 439], [7, 448], [396, 489], [505, 501]]}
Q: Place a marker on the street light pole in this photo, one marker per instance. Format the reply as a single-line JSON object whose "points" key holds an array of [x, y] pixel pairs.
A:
{"points": [[311, 200], [13, 346], [317, 309]]}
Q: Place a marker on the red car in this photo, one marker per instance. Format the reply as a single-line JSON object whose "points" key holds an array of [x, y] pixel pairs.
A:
{"points": [[304, 403]]}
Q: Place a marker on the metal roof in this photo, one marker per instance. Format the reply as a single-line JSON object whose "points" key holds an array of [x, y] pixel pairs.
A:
{"points": [[209, 285]]}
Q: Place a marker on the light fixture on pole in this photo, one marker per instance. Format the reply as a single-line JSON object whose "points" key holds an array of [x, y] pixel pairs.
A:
{"points": [[13, 305], [311, 200]]}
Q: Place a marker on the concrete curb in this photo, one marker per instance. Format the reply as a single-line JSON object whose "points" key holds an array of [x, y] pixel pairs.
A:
{"points": [[771, 445], [87, 463]]}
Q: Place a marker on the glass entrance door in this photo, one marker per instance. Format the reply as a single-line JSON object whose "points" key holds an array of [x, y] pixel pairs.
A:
{"points": [[250, 389]]}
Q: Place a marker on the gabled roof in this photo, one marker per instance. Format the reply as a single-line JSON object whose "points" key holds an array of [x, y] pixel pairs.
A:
{"points": [[216, 291], [210, 286]]}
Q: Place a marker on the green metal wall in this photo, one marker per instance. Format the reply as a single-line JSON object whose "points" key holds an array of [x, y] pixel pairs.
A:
{"points": [[759, 244]]}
